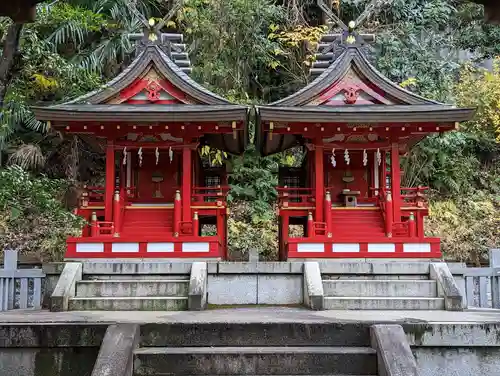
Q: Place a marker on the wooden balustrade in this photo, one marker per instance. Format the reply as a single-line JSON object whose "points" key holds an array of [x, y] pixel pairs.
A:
{"points": [[217, 195], [297, 196]]}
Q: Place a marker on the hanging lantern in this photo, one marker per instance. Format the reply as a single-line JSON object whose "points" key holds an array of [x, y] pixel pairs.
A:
{"points": [[379, 157], [157, 155], [124, 155], [139, 153], [334, 162], [365, 157], [347, 158], [171, 154]]}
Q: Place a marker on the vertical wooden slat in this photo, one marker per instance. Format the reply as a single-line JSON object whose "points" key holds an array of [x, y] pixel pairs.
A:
{"points": [[23, 296], [37, 293], [483, 292], [495, 288], [470, 291], [1, 295]]}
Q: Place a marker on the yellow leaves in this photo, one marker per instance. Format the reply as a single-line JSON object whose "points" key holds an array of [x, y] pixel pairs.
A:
{"points": [[274, 64], [216, 156], [45, 83], [408, 82], [171, 24]]}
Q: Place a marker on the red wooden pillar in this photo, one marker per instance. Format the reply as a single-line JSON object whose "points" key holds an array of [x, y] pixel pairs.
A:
{"points": [[187, 168], [110, 181], [285, 223], [319, 178], [396, 182]]}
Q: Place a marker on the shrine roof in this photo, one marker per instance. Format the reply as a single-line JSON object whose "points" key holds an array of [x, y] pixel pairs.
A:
{"points": [[350, 91], [352, 59], [365, 114], [142, 113], [173, 97]]}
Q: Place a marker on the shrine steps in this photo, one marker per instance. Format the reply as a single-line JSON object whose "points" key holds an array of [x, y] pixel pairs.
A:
{"points": [[130, 293], [379, 291], [148, 222], [347, 222], [256, 348]]}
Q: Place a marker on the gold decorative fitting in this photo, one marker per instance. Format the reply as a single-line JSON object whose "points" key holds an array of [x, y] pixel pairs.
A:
{"points": [[199, 127], [219, 203], [288, 129], [182, 127], [166, 126], [328, 196], [117, 127], [67, 127], [322, 129], [102, 126], [354, 129], [309, 216], [84, 127], [116, 235], [389, 235], [216, 127], [403, 128], [412, 216], [457, 126], [195, 215], [134, 127], [338, 129], [117, 196], [387, 128], [285, 204], [389, 196], [235, 134], [420, 129], [330, 235], [437, 128], [151, 22], [49, 124], [350, 39], [177, 195], [305, 129], [153, 37], [93, 217], [150, 127], [271, 127], [371, 129], [176, 234]]}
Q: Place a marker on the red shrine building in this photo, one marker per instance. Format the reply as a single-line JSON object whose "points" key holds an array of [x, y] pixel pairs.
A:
{"points": [[151, 122], [354, 125]]}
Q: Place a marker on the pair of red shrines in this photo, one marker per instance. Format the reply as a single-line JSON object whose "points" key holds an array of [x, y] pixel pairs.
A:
{"points": [[161, 200]]}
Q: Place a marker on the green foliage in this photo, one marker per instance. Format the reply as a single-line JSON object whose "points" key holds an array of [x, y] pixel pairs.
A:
{"points": [[468, 226], [31, 217]]}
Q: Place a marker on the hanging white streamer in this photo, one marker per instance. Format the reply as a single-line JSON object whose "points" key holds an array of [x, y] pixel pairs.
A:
{"points": [[139, 153], [379, 157], [334, 162], [365, 158], [124, 155], [157, 155], [346, 157], [171, 154]]}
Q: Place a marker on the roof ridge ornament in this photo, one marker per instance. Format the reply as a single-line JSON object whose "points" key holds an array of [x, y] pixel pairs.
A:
{"points": [[348, 35], [152, 34]]}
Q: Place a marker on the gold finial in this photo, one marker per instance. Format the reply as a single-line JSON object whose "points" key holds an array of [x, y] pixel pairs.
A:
{"points": [[117, 196], [195, 215], [310, 216], [94, 217], [177, 195], [328, 196], [412, 216], [389, 196]]}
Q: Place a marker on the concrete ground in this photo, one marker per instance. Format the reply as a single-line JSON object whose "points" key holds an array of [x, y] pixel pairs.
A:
{"points": [[253, 315]]}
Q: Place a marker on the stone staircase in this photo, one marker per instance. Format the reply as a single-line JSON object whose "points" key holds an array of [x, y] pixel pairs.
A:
{"points": [[383, 290], [255, 349], [132, 287]]}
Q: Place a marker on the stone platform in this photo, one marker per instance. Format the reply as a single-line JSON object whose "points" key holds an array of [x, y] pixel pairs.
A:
{"points": [[250, 341]]}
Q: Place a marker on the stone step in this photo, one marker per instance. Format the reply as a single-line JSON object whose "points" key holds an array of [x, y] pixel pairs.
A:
{"points": [[129, 304], [132, 288], [383, 303], [380, 288], [255, 361], [266, 330], [376, 277], [136, 277]]}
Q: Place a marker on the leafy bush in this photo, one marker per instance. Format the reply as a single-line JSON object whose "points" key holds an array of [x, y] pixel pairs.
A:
{"points": [[32, 218]]}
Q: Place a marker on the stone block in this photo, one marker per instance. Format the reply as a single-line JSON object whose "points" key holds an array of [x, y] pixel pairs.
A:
{"points": [[198, 288], [279, 289], [313, 286], [66, 287], [394, 355], [232, 289], [259, 268], [447, 286], [152, 303], [117, 350]]}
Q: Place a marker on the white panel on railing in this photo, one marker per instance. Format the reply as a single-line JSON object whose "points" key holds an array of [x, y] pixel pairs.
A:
{"points": [[196, 247], [416, 248], [160, 247], [89, 247], [382, 248], [125, 247], [310, 247], [347, 248]]}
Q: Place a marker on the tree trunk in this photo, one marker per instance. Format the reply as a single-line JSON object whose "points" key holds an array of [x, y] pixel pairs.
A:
{"points": [[10, 48]]}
